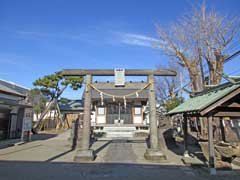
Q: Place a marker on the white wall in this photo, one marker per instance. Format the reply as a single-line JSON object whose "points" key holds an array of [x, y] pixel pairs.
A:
{"points": [[49, 115]]}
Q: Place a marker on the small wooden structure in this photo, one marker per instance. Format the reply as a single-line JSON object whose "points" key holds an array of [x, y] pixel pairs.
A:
{"points": [[220, 101], [70, 110], [85, 153]]}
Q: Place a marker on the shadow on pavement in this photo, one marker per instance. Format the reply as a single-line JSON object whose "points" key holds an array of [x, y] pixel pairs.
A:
{"points": [[59, 155], [108, 142], [19, 170], [42, 136], [102, 147], [35, 137], [171, 143]]}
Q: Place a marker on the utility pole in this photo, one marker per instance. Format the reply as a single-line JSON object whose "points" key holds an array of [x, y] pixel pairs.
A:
{"points": [[181, 86]]}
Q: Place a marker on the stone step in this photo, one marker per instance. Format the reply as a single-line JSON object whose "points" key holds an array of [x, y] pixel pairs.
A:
{"points": [[130, 134], [119, 135], [119, 128], [119, 131]]}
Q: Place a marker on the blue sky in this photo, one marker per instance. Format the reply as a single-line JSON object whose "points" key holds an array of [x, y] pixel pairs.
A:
{"points": [[41, 37]]}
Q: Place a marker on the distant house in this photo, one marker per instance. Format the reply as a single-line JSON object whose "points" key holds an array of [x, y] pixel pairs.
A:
{"points": [[14, 109], [70, 110]]}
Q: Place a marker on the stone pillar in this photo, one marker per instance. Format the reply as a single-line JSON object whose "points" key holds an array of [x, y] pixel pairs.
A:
{"points": [[85, 153], [153, 152], [185, 134], [211, 147], [13, 122], [222, 129]]}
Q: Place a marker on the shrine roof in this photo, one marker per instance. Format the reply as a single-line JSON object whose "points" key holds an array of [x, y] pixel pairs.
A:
{"points": [[207, 100], [110, 88]]}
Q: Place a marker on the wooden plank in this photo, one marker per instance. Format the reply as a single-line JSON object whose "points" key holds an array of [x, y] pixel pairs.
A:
{"points": [[110, 72], [227, 114], [210, 143], [185, 134], [233, 105], [222, 130]]}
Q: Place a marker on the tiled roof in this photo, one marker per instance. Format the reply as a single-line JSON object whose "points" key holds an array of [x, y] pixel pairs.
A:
{"points": [[71, 105], [7, 90], [129, 87], [19, 88], [205, 99]]}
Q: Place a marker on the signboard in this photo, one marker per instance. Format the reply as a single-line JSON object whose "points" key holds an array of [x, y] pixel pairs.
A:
{"points": [[27, 126], [27, 120], [119, 74]]}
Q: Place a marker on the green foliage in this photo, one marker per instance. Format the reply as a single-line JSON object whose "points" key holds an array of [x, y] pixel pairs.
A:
{"points": [[75, 82], [38, 100], [54, 84], [172, 103]]}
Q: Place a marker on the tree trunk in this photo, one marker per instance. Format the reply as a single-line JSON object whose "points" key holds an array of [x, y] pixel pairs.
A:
{"points": [[40, 121], [195, 77], [216, 67]]}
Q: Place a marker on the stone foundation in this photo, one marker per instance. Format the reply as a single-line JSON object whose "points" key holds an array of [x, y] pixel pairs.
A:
{"points": [[155, 155], [84, 156]]}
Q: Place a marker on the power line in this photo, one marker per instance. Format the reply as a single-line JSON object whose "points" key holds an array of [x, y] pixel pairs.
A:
{"points": [[232, 47], [238, 70], [225, 61], [232, 56]]}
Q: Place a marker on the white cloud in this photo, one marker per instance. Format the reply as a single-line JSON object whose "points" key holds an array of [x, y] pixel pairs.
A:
{"points": [[105, 37], [138, 40]]}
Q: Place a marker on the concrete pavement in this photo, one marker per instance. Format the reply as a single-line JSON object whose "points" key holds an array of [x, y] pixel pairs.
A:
{"points": [[52, 158]]}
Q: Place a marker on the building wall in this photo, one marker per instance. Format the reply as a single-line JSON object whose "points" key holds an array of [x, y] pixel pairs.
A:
{"points": [[13, 122], [4, 122], [99, 116]]}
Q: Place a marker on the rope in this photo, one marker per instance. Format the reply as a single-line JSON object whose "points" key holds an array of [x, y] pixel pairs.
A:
{"points": [[117, 96]]}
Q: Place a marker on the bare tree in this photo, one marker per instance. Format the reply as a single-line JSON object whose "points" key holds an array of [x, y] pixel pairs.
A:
{"points": [[199, 37], [167, 86]]}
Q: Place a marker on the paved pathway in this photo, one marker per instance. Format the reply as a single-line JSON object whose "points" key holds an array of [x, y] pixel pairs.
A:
{"points": [[120, 151], [10, 170], [52, 158]]}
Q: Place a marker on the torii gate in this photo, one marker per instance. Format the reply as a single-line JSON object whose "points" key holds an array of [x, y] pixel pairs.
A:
{"points": [[154, 152]]}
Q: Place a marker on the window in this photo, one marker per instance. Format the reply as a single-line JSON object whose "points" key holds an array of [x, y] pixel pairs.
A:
{"points": [[137, 110], [101, 111], [28, 115]]}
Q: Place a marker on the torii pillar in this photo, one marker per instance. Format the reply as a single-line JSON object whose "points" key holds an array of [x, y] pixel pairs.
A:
{"points": [[153, 152], [85, 153]]}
